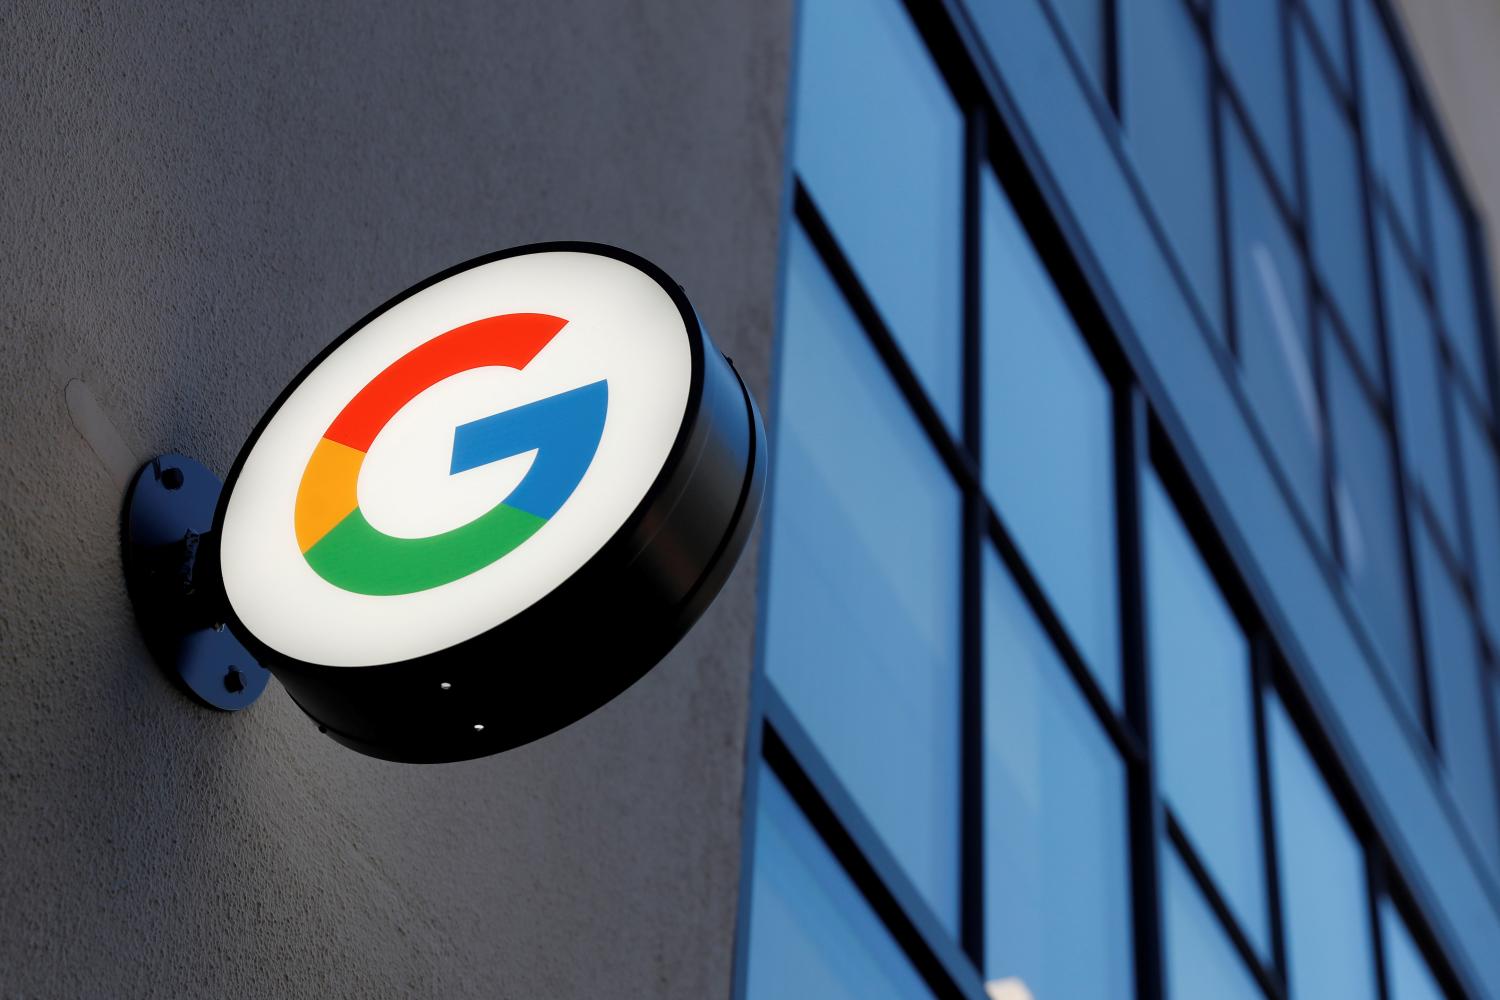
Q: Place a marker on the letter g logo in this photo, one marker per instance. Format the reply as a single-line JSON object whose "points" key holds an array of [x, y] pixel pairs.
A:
{"points": [[564, 429]]}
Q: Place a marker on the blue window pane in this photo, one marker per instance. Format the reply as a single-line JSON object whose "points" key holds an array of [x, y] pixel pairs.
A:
{"points": [[1370, 525], [1202, 713], [1482, 484], [1407, 974], [811, 932], [1336, 203], [1056, 882], [1453, 266], [1084, 22], [1386, 112], [879, 143], [1250, 42], [1325, 905], [1328, 18], [1458, 684], [1492, 683], [1201, 961], [1419, 389], [1270, 309], [1166, 107], [862, 610], [1047, 440]]}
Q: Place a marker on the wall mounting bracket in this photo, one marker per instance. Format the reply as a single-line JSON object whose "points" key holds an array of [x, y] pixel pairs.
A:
{"points": [[167, 541]]}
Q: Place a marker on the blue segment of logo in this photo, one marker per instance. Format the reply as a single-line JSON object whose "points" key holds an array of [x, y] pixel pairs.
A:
{"points": [[563, 429]]}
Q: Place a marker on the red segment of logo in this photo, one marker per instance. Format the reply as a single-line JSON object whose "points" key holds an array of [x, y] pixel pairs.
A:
{"points": [[506, 341]]}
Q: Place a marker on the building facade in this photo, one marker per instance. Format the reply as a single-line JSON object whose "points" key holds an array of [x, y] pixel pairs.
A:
{"points": [[1125, 619]]}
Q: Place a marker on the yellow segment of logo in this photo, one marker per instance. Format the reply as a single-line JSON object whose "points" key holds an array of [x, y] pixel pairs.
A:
{"points": [[327, 494]]}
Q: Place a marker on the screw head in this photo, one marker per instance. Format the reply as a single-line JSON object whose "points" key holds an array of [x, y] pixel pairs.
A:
{"points": [[172, 478]]}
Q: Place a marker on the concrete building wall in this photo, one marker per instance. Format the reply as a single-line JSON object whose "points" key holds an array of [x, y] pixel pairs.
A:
{"points": [[193, 200], [1457, 43]]}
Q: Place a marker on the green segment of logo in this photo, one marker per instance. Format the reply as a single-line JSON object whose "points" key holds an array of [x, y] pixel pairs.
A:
{"points": [[360, 558]]}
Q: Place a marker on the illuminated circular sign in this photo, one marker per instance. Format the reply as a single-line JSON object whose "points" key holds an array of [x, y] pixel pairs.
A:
{"points": [[492, 505]]}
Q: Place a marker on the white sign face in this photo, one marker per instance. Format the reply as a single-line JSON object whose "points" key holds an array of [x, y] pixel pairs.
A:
{"points": [[456, 459]]}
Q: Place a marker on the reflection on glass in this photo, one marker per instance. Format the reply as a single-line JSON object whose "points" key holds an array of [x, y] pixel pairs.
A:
{"points": [[1056, 873], [1415, 366], [1336, 203], [1369, 523], [1482, 485], [862, 612], [811, 933], [1453, 267], [1202, 716], [1200, 961], [1249, 36], [1270, 312], [1406, 972], [1385, 110], [1009, 988], [879, 143], [1166, 112], [1048, 461], [1458, 696], [1326, 917]]}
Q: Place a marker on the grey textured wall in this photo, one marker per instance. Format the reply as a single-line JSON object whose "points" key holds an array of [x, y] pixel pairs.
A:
{"points": [[192, 201]]}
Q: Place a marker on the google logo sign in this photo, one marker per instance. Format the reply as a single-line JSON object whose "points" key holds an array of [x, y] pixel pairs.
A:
{"points": [[505, 493], [339, 542]]}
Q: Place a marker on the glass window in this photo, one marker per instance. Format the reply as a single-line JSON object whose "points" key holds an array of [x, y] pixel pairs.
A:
{"points": [[1323, 889], [1328, 18], [1458, 697], [1453, 265], [879, 143], [1406, 972], [863, 599], [1270, 309], [1056, 867], [1084, 21], [1202, 716], [1386, 112], [1200, 960], [811, 932], [1492, 684], [1336, 203], [1250, 43], [1166, 107], [1047, 439], [1419, 388], [1369, 523], [1482, 483]]}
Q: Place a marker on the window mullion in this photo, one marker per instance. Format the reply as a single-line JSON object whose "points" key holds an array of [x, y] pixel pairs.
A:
{"points": [[975, 521], [1145, 809]]}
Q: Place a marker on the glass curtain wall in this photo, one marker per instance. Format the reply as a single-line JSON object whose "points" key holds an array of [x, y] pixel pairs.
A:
{"points": [[1022, 732]]}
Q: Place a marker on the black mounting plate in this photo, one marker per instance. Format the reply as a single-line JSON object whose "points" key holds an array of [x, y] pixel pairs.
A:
{"points": [[169, 512]]}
